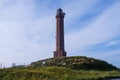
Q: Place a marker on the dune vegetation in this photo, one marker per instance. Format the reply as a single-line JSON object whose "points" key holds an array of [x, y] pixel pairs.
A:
{"points": [[76, 63], [55, 73], [65, 68]]}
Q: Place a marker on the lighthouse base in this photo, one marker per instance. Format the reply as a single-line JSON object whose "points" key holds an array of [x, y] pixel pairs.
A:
{"points": [[59, 54]]}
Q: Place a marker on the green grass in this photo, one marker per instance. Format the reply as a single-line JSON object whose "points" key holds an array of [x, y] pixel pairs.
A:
{"points": [[76, 62], [54, 73], [64, 68]]}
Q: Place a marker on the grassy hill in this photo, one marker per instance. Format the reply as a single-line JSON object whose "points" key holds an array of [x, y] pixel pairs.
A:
{"points": [[65, 68], [55, 73], [76, 63]]}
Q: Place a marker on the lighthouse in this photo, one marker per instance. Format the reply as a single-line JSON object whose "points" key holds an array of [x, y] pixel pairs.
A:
{"points": [[60, 48]]}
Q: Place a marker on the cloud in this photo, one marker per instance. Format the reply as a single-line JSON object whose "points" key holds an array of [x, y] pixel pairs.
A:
{"points": [[24, 37], [79, 15], [104, 28], [113, 43]]}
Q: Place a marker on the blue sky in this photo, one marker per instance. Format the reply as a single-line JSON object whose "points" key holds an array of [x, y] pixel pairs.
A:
{"points": [[27, 29]]}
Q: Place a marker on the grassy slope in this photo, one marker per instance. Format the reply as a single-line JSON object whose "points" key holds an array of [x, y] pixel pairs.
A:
{"points": [[65, 68], [54, 73], [76, 62]]}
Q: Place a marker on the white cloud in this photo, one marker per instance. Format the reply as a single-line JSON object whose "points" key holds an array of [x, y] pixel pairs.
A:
{"points": [[77, 9], [113, 43], [17, 10], [24, 38], [104, 28]]}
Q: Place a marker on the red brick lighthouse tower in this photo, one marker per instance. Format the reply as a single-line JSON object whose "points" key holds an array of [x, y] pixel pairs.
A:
{"points": [[60, 50]]}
